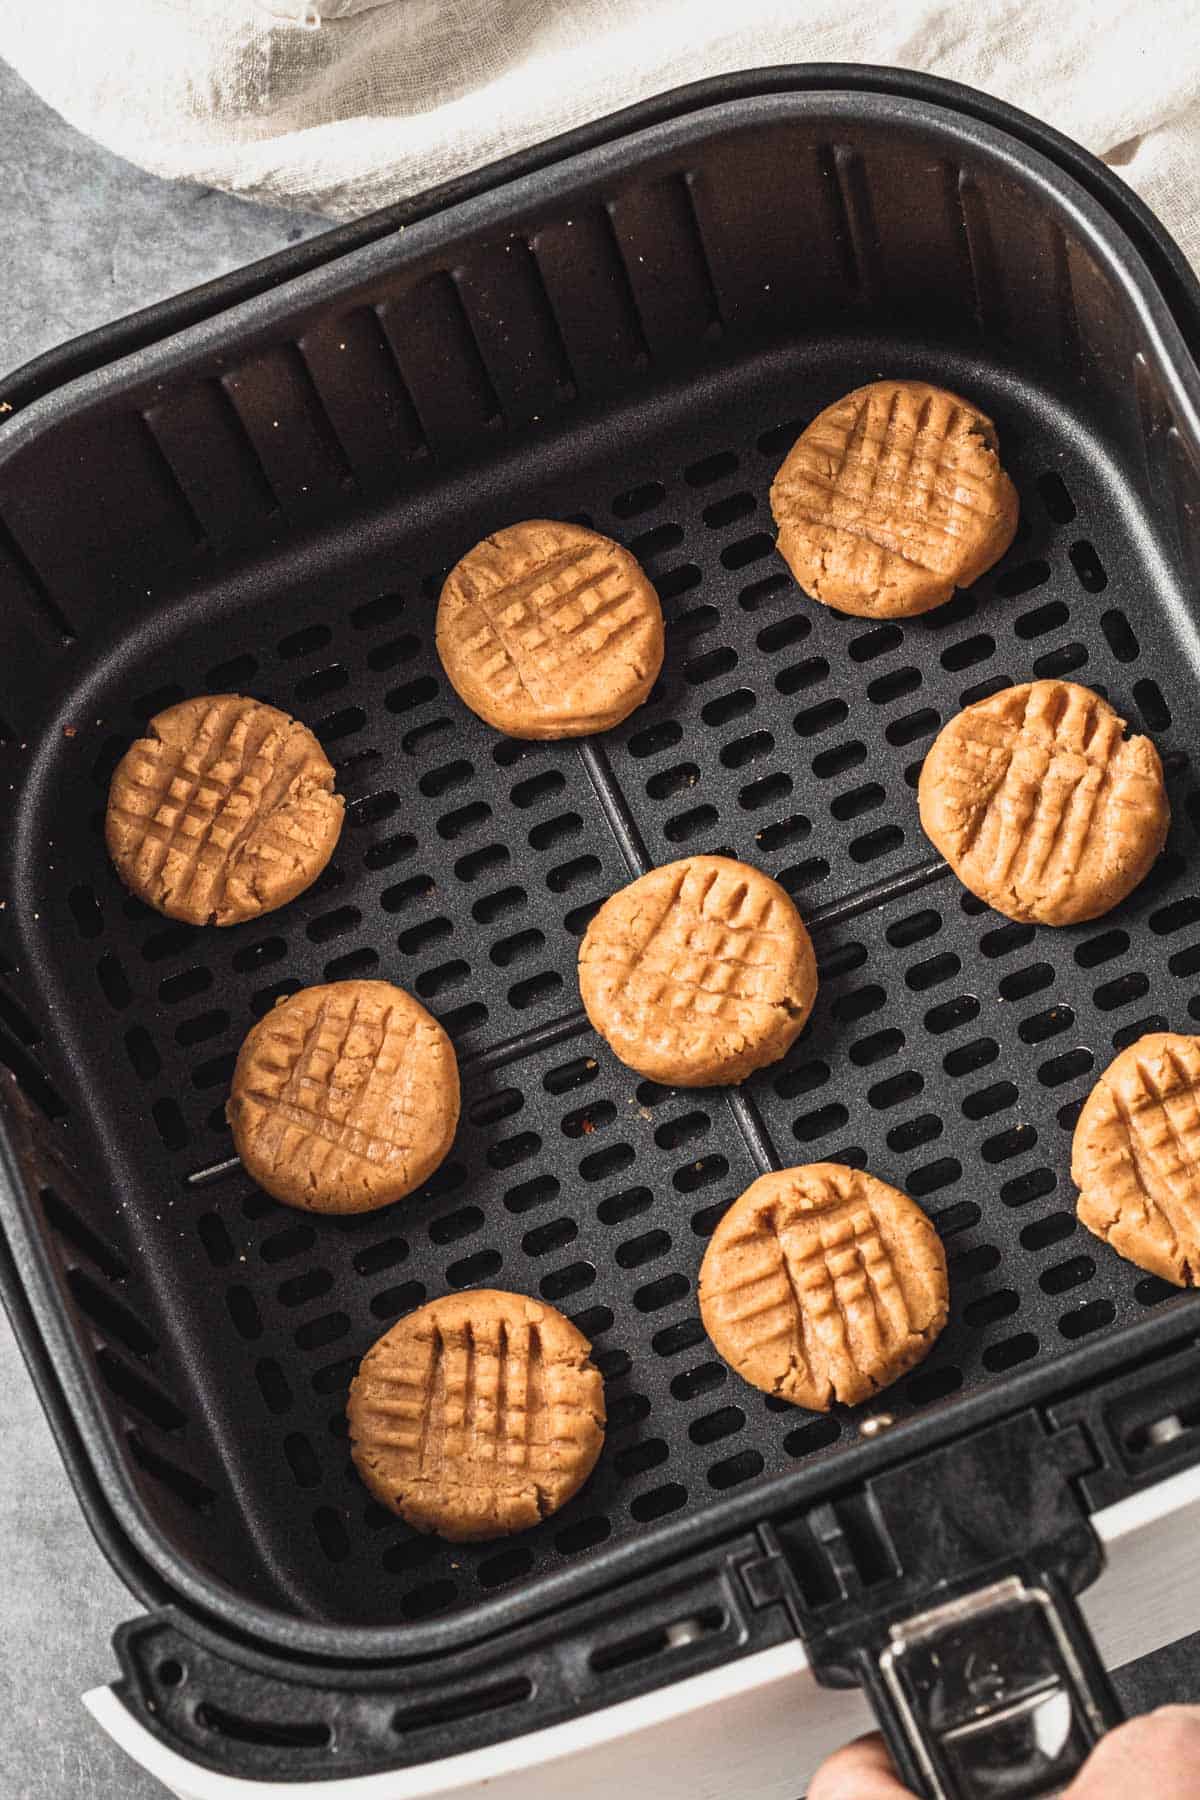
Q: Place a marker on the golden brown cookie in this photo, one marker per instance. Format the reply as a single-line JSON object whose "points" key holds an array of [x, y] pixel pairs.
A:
{"points": [[223, 811], [477, 1415], [345, 1097], [821, 1284], [1041, 806], [891, 499], [1135, 1157], [699, 972], [547, 631]]}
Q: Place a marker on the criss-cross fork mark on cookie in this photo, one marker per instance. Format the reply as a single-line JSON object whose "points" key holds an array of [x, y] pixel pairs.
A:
{"points": [[292, 1077], [1159, 1123], [482, 1397], [696, 959], [894, 472], [544, 627], [1030, 779], [821, 1285], [201, 800]]}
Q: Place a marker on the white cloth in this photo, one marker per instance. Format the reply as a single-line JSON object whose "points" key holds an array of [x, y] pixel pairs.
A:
{"points": [[382, 98]]}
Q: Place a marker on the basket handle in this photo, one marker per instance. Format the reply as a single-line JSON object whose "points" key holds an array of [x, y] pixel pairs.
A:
{"points": [[945, 1587], [998, 1692]]}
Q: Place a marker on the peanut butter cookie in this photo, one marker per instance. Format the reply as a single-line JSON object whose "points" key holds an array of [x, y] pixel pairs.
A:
{"points": [[821, 1284], [548, 631], [1041, 806], [345, 1097], [699, 972], [477, 1415], [1135, 1157], [891, 499], [223, 811]]}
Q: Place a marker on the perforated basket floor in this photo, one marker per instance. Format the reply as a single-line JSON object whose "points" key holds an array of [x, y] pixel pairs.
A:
{"points": [[948, 1053]]}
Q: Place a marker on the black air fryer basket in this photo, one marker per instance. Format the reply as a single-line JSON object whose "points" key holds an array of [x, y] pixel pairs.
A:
{"points": [[259, 488]]}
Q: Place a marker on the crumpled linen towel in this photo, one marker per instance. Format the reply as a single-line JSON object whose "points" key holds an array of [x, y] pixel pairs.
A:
{"points": [[343, 105]]}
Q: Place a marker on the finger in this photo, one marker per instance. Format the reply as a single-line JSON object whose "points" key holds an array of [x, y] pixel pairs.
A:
{"points": [[1158, 1753], [862, 1770]]}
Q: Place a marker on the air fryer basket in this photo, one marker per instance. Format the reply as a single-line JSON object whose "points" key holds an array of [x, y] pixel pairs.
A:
{"points": [[267, 502]]}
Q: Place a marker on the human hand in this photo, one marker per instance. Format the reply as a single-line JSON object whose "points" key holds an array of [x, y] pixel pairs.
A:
{"points": [[1158, 1753]]}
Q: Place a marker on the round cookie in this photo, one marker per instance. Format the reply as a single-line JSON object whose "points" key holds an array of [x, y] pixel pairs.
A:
{"points": [[699, 972], [477, 1415], [1135, 1156], [547, 630], [345, 1097], [822, 1283], [223, 811], [891, 499], [1040, 805]]}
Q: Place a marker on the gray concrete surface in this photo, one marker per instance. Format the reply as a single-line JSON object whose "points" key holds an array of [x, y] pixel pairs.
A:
{"points": [[84, 238]]}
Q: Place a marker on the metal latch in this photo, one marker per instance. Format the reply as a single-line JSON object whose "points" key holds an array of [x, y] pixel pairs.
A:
{"points": [[992, 1694], [944, 1585]]}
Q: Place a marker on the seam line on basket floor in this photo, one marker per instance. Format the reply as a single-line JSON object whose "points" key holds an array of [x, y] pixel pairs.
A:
{"points": [[486, 1058], [620, 820], [761, 1146], [572, 1024], [878, 893]]}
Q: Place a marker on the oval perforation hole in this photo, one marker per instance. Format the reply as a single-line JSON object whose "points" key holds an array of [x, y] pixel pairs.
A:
{"points": [[1051, 1230], [735, 1469], [785, 632], [518, 947], [931, 1177], [554, 1234], [635, 1252], [1155, 712], [828, 763], [672, 781], [585, 1120], [1085, 560], [925, 1128], [1120, 636], [452, 1227], [894, 685], [874, 844], [1063, 1276], [701, 669], [687, 825], [1022, 982], [765, 792], [869, 1050], [801, 875], [968, 652], [912, 726], [856, 801], [615, 1209], [535, 990], [822, 717], [538, 787], [1033, 1185], [1057, 663], [783, 831], [965, 1059], [571, 1280], [1093, 1315], [701, 1173]]}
